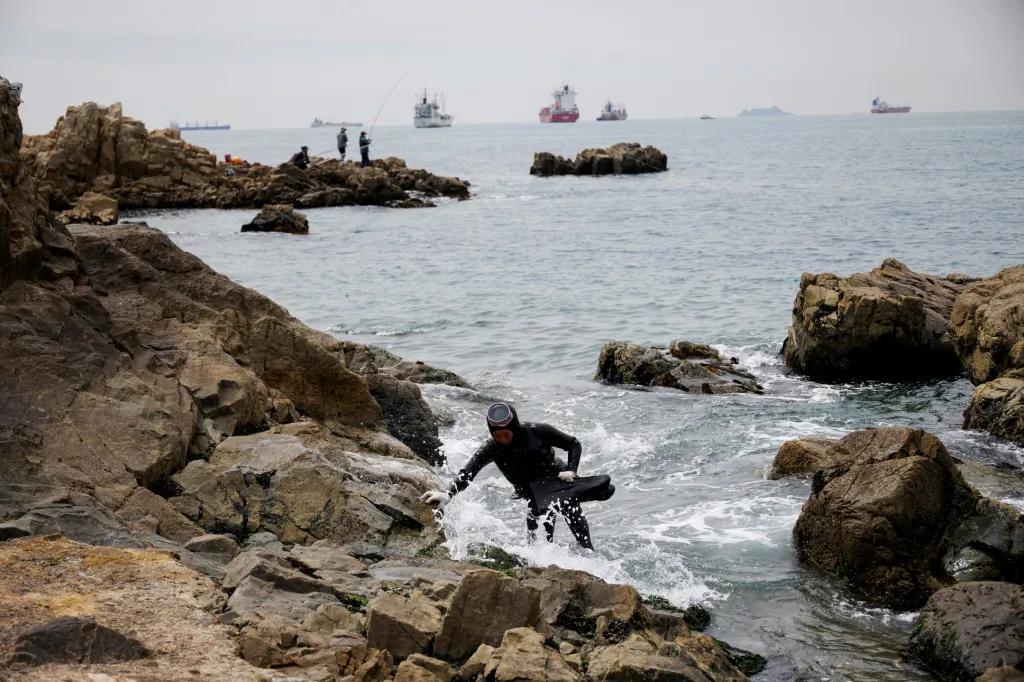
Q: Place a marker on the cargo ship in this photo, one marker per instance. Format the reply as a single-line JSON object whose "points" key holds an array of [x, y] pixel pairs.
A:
{"points": [[613, 112], [879, 106], [563, 109], [430, 114], [319, 123], [195, 126]]}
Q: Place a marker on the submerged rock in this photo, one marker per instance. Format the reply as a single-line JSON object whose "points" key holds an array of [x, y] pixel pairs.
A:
{"points": [[968, 628], [625, 158], [988, 329], [890, 325], [278, 218], [685, 366]]}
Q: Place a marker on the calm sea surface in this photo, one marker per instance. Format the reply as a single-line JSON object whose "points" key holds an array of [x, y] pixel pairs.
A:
{"points": [[519, 288]]}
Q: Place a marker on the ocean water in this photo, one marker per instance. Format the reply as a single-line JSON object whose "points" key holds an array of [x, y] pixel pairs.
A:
{"points": [[518, 289]]}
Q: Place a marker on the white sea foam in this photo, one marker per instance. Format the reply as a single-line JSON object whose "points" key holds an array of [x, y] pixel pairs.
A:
{"points": [[760, 519]]}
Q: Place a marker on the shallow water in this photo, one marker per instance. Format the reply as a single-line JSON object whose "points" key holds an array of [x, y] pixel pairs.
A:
{"points": [[520, 287]]}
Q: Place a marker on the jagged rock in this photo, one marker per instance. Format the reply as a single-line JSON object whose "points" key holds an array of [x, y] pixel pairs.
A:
{"points": [[686, 366], [170, 522], [220, 547], [326, 555], [302, 485], [880, 515], [624, 158], [582, 602], [697, 659], [890, 324], [800, 457], [75, 640], [485, 605], [269, 568], [475, 664], [987, 325], [523, 656], [968, 628], [998, 407], [91, 209], [407, 415], [419, 668], [993, 538], [419, 372], [401, 626], [278, 218]]}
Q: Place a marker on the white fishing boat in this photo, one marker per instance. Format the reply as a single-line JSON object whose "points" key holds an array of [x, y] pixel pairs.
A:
{"points": [[428, 113]]}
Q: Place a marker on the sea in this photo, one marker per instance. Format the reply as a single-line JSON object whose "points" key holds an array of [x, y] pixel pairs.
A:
{"points": [[518, 289]]}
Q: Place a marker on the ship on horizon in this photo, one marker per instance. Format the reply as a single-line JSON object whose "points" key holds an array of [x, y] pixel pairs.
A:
{"points": [[563, 109], [195, 126], [430, 113], [613, 112], [319, 123], [880, 106]]}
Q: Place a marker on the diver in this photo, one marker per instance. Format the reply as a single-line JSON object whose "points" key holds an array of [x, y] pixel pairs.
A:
{"points": [[342, 143], [301, 158], [524, 454], [364, 150]]}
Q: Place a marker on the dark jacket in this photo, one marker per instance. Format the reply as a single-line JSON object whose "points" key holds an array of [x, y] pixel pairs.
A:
{"points": [[364, 143], [300, 159], [342, 140], [529, 457]]}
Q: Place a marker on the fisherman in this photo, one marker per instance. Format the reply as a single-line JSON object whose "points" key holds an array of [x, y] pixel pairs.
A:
{"points": [[524, 455], [301, 158], [364, 149], [342, 143]]}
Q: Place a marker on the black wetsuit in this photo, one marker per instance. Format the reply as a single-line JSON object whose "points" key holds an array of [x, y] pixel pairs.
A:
{"points": [[528, 458]]}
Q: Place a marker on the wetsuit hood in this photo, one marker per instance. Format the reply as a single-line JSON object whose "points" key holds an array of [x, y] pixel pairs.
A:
{"points": [[503, 416]]}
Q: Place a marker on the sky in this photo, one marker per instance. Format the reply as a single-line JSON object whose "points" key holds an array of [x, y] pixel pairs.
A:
{"points": [[273, 64]]}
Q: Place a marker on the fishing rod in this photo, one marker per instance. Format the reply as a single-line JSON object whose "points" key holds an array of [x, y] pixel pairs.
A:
{"points": [[387, 97]]}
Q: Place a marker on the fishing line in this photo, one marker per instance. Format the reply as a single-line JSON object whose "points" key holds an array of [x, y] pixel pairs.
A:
{"points": [[387, 97]]}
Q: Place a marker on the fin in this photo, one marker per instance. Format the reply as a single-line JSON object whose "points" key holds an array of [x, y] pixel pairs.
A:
{"points": [[547, 491]]}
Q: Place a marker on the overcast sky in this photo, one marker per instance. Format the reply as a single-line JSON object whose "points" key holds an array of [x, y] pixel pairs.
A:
{"points": [[267, 63]]}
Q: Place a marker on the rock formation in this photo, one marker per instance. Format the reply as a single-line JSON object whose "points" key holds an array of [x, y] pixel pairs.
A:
{"points": [[686, 366], [278, 218], [890, 512], [91, 209], [97, 149], [625, 158], [988, 330], [890, 325], [969, 628]]}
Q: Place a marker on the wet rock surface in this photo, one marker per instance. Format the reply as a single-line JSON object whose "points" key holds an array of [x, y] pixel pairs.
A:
{"points": [[624, 158], [685, 366], [890, 324], [969, 628], [278, 218]]}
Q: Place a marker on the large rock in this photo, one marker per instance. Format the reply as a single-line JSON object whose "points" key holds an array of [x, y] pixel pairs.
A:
{"points": [[880, 515], [486, 604], [991, 540], [800, 457], [278, 218], [694, 659], [968, 628], [402, 626], [91, 209], [583, 602], [997, 406], [685, 366], [890, 324], [523, 656], [624, 158], [75, 640], [407, 415]]}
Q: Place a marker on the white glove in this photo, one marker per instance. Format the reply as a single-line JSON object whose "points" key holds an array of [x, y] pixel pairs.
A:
{"points": [[436, 498], [567, 476]]}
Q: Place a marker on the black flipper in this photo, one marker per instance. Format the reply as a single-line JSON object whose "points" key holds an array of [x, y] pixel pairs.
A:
{"points": [[548, 491]]}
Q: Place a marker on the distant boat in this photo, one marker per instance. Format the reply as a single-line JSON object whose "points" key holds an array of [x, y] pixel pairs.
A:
{"points": [[427, 113], [613, 112], [879, 106], [705, 117], [319, 123], [195, 126], [770, 111]]}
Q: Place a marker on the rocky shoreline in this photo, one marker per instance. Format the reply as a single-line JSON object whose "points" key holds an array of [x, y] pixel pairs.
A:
{"points": [[195, 485]]}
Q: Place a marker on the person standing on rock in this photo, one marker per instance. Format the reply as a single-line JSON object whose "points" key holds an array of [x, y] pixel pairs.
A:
{"points": [[301, 158], [524, 454], [342, 143], [364, 149]]}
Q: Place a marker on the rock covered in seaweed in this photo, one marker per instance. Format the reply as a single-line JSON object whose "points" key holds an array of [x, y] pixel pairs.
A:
{"points": [[890, 324], [278, 218], [624, 158], [689, 367]]}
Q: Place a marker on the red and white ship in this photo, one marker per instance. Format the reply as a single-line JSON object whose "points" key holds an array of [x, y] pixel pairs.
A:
{"points": [[879, 106], [563, 109]]}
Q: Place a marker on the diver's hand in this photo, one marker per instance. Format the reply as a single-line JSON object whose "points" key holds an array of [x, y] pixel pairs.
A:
{"points": [[567, 476], [436, 498]]}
